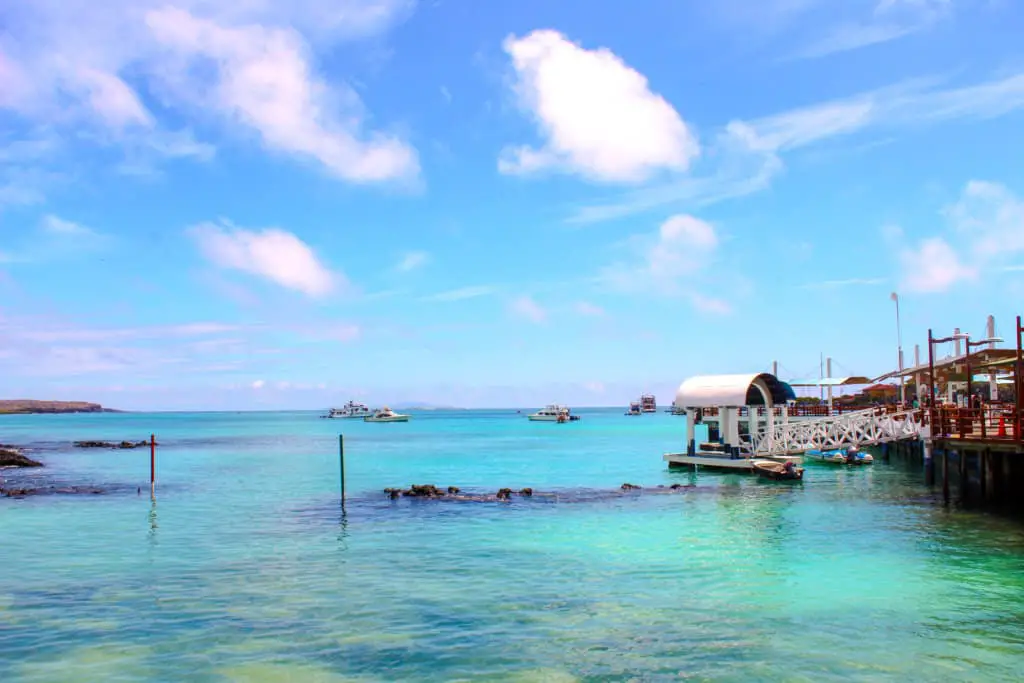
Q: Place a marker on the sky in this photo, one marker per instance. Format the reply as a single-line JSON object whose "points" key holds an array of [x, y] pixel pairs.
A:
{"points": [[261, 205]]}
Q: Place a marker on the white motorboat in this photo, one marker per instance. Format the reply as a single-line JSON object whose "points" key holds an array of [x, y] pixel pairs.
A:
{"points": [[634, 409], [350, 410], [553, 413], [385, 414]]}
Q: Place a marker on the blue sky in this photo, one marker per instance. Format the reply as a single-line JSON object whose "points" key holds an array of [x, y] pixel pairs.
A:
{"points": [[256, 204]]}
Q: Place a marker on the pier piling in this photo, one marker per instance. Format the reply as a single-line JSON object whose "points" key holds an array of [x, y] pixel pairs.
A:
{"points": [[152, 465]]}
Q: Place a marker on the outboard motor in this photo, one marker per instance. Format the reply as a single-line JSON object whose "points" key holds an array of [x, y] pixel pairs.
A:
{"points": [[851, 455]]}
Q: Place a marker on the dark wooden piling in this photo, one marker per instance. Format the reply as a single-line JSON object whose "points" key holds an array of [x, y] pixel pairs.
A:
{"points": [[152, 465], [945, 475], [341, 465]]}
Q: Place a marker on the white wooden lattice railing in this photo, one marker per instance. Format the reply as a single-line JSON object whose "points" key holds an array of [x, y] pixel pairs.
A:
{"points": [[863, 428]]}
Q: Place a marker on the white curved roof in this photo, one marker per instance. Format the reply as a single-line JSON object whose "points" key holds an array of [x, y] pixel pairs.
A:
{"points": [[709, 391]]}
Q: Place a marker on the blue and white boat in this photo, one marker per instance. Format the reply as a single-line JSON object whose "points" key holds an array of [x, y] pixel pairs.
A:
{"points": [[840, 456]]}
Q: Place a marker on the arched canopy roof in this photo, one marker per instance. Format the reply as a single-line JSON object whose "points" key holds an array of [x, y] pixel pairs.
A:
{"points": [[710, 391]]}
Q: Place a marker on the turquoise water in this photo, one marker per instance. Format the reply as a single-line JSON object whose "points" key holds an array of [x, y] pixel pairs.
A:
{"points": [[245, 568]]}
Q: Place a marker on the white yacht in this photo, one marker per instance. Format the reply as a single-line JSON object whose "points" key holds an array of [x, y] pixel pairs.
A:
{"points": [[553, 413], [385, 414], [350, 410]]}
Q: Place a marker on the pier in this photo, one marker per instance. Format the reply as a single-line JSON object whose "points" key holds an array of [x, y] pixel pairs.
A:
{"points": [[968, 436]]}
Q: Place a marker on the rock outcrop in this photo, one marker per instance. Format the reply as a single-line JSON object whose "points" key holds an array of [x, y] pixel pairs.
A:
{"points": [[111, 444], [12, 458]]}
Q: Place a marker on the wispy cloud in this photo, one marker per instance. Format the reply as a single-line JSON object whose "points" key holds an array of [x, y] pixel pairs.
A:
{"points": [[588, 309], [271, 253], [462, 293], [850, 282], [412, 260], [670, 261], [527, 308], [986, 229], [749, 154], [94, 70]]}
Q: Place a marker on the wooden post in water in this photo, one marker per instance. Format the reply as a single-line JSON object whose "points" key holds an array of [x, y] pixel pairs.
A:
{"points": [[945, 474], [152, 465], [341, 463]]}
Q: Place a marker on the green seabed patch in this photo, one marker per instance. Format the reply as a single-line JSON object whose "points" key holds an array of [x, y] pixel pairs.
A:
{"points": [[282, 672], [106, 662]]}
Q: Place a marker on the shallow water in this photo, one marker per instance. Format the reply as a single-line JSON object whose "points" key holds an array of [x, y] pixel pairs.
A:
{"points": [[246, 569]]}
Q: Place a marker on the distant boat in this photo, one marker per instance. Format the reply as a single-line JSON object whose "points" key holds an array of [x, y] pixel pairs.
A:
{"points": [[648, 404], [350, 410], [553, 413], [634, 409], [385, 414]]}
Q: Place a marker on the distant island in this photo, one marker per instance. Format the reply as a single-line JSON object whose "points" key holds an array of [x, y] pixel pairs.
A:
{"points": [[27, 406]]}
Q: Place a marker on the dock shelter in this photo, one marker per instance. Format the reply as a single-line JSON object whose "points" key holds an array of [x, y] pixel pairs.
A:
{"points": [[724, 401]]}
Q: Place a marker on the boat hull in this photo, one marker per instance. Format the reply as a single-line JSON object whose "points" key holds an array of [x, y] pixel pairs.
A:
{"points": [[767, 469], [838, 457], [396, 418]]}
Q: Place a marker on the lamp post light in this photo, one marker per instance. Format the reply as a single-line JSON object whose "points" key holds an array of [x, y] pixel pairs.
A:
{"points": [[899, 344], [931, 362], [967, 362]]}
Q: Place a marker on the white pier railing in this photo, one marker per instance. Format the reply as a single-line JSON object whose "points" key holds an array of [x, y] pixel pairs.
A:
{"points": [[862, 428]]}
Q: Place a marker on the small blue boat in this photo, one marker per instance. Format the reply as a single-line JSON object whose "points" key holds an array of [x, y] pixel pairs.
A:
{"points": [[840, 456]]}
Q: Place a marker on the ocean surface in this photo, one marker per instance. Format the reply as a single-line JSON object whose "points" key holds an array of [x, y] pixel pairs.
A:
{"points": [[246, 568]]}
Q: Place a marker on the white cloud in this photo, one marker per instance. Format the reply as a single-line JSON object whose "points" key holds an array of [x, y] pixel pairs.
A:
{"points": [[990, 218], [712, 305], [274, 254], [986, 235], [598, 116], [749, 154], [412, 260], [670, 261], [69, 64], [258, 384], [525, 307], [58, 226], [591, 310], [933, 266], [264, 81]]}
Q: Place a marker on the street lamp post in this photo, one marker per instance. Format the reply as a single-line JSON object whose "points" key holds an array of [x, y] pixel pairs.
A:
{"points": [[931, 365], [967, 361], [899, 344]]}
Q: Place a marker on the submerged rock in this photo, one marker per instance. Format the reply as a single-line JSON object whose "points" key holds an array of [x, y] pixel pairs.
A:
{"points": [[49, 491], [111, 444], [526, 492], [423, 491], [504, 494], [12, 458], [630, 487]]}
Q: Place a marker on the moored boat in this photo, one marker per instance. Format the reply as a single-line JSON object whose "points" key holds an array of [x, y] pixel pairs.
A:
{"points": [[648, 403], [351, 409], [553, 413], [770, 469], [634, 409], [840, 456], [385, 414]]}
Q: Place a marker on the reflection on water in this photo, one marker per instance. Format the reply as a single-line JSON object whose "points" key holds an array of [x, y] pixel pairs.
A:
{"points": [[853, 575]]}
